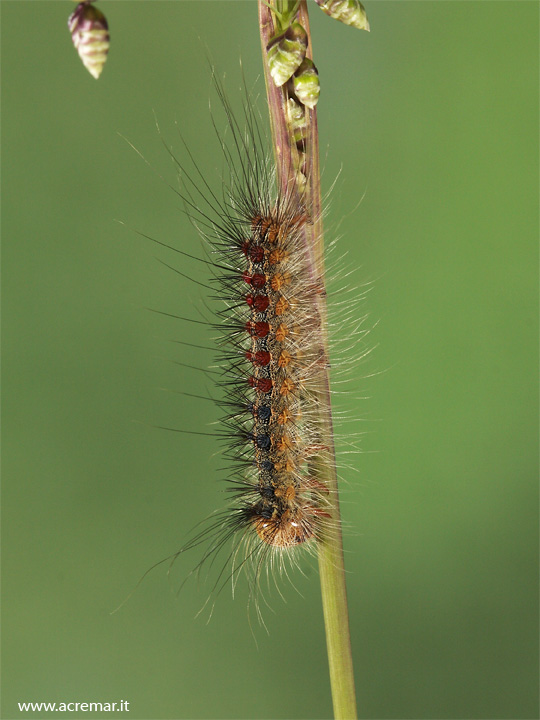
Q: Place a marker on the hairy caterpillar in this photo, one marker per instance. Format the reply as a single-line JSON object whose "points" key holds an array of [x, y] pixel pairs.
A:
{"points": [[270, 359]]}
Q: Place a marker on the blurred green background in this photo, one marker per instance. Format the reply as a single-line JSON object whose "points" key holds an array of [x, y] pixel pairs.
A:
{"points": [[433, 121]]}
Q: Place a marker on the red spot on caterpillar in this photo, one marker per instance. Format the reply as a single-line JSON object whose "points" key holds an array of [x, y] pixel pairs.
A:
{"points": [[260, 358], [256, 253], [259, 302], [257, 280], [262, 384], [258, 329]]}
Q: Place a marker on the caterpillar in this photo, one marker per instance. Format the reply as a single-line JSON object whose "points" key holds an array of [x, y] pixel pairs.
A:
{"points": [[270, 356]]}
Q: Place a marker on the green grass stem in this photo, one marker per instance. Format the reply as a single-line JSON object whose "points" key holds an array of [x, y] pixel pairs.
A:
{"points": [[322, 466]]}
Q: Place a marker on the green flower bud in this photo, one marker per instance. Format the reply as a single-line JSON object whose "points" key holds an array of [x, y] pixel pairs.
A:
{"points": [[286, 52], [350, 12], [90, 35], [306, 83]]}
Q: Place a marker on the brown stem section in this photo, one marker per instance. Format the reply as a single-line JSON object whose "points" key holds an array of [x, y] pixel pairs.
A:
{"points": [[313, 190], [284, 148], [323, 466]]}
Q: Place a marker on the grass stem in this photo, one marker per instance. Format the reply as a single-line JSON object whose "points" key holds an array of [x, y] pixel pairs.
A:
{"points": [[322, 465]]}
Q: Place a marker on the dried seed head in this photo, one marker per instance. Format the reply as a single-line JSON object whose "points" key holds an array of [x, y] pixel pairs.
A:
{"points": [[306, 83], [350, 12], [286, 52], [90, 35]]}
